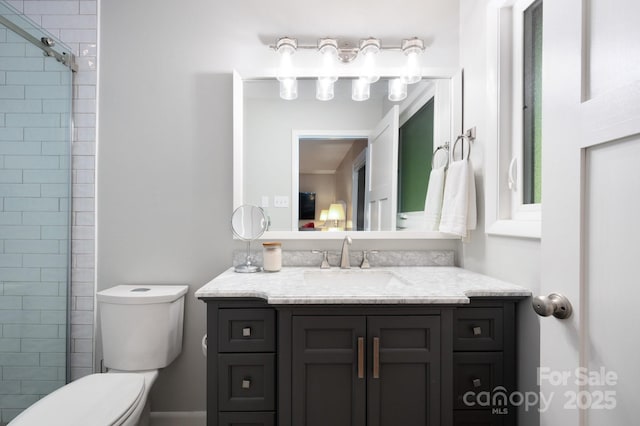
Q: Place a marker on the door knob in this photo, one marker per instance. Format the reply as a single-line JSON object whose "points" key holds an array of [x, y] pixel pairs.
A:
{"points": [[555, 304]]}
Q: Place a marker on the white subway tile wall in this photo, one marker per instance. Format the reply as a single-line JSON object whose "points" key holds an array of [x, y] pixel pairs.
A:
{"points": [[34, 222], [75, 24]]}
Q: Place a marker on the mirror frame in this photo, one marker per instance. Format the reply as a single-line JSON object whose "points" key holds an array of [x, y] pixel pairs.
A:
{"points": [[455, 75]]}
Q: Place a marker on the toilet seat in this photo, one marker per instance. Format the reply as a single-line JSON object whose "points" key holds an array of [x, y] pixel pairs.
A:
{"points": [[97, 399]]}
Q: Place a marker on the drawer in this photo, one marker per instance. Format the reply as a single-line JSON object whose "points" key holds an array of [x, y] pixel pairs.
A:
{"points": [[246, 382], [478, 329], [479, 418], [246, 330], [246, 419], [476, 372]]}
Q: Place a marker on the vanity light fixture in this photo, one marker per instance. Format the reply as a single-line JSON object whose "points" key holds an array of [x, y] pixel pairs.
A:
{"points": [[328, 48], [412, 48], [369, 47], [333, 51], [286, 47]]}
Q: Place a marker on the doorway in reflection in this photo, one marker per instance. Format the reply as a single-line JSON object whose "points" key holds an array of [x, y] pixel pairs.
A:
{"points": [[333, 169]]}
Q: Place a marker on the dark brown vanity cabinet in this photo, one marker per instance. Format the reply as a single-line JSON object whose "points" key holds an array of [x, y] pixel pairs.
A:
{"points": [[365, 370], [358, 365], [484, 363], [241, 364]]}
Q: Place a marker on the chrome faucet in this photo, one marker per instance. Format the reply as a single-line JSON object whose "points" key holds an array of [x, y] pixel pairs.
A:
{"points": [[344, 256]]}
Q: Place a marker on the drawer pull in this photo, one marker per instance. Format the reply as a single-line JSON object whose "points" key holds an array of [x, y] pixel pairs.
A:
{"points": [[477, 331], [477, 383], [246, 332], [376, 357], [246, 383], [360, 357]]}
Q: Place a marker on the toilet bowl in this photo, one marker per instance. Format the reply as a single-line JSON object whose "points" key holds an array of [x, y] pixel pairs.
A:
{"points": [[108, 399], [141, 333]]}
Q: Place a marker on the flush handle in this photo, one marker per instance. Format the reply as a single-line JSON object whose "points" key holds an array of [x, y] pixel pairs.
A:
{"points": [[246, 332], [554, 304]]}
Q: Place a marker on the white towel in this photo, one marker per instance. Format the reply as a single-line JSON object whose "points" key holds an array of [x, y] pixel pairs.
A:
{"points": [[459, 202], [433, 202]]}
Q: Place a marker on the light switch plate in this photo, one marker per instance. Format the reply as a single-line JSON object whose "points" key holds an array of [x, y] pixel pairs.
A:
{"points": [[281, 201]]}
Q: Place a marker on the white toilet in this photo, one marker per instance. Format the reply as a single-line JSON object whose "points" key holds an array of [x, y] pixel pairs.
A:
{"points": [[141, 332]]}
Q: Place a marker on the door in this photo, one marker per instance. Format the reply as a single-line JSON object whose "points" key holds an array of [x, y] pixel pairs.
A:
{"points": [[358, 175], [403, 374], [590, 231], [382, 174], [328, 381]]}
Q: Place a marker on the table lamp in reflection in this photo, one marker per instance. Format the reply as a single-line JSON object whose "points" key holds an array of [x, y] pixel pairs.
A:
{"points": [[336, 214]]}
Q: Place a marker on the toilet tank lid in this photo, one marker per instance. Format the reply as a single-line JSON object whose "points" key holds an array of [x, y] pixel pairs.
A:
{"points": [[142, 294]]}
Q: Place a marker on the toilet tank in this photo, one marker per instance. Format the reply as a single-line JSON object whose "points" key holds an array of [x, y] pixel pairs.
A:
{"points": [[141, 325]]}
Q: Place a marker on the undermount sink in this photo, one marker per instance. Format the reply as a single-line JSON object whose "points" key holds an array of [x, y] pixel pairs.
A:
{"points": [[351, 278]]}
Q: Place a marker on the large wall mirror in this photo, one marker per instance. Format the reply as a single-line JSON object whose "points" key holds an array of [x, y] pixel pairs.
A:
{"points": [[323, 168]]}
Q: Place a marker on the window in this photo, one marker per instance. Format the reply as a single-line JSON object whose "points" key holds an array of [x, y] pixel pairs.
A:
{"points": [[532, 105], [514, 173]]}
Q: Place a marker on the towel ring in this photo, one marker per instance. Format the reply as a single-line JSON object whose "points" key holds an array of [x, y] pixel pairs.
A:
{"points": [[443, 147], [453, 150]]}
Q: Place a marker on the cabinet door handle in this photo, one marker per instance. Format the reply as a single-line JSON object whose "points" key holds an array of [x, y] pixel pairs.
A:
{"points": [[246, 383], [476, 383], [376, 357], [477, 331], [360, 357], [246, 332]]}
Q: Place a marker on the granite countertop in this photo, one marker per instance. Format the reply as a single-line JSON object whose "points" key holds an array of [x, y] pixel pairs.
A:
{"points": [[384, 285]]}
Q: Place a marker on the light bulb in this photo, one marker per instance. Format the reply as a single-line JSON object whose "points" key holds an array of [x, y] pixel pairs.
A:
{"points": [[412, 48], [289, 88], [397, 90], [412, 71], [324, 89], [286, 47], [285, 70], [369, 49], [360, 89], [328, 48]]}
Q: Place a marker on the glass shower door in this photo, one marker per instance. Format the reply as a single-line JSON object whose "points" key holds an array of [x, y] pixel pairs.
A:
{"points": [[35, 191]]}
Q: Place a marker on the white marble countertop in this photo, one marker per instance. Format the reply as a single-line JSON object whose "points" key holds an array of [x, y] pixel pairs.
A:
{"points": [[384, 285]]}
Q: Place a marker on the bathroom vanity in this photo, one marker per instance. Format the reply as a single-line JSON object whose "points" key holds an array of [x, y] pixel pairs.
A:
{"points": [[384, 347]]}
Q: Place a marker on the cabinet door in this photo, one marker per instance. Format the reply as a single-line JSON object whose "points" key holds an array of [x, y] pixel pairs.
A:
{"points": [[326, 387], [404, 370]]}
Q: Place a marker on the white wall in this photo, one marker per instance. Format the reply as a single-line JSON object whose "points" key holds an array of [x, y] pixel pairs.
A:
{"points": [[268, 145], [344, 177], [165, 150], [511, 259]]}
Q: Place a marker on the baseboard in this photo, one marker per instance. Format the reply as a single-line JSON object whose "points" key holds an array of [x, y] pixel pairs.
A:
{"points": [[178, 418]]}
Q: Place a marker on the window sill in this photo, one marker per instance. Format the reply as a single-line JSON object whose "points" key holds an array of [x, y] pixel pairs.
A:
{"points": [[516, 228]]}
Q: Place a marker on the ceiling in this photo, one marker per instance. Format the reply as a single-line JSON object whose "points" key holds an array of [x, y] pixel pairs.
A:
{"points": [[323, 156]]}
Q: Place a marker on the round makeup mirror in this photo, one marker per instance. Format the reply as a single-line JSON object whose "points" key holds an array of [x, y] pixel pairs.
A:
{"points": [[248, 223]]}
